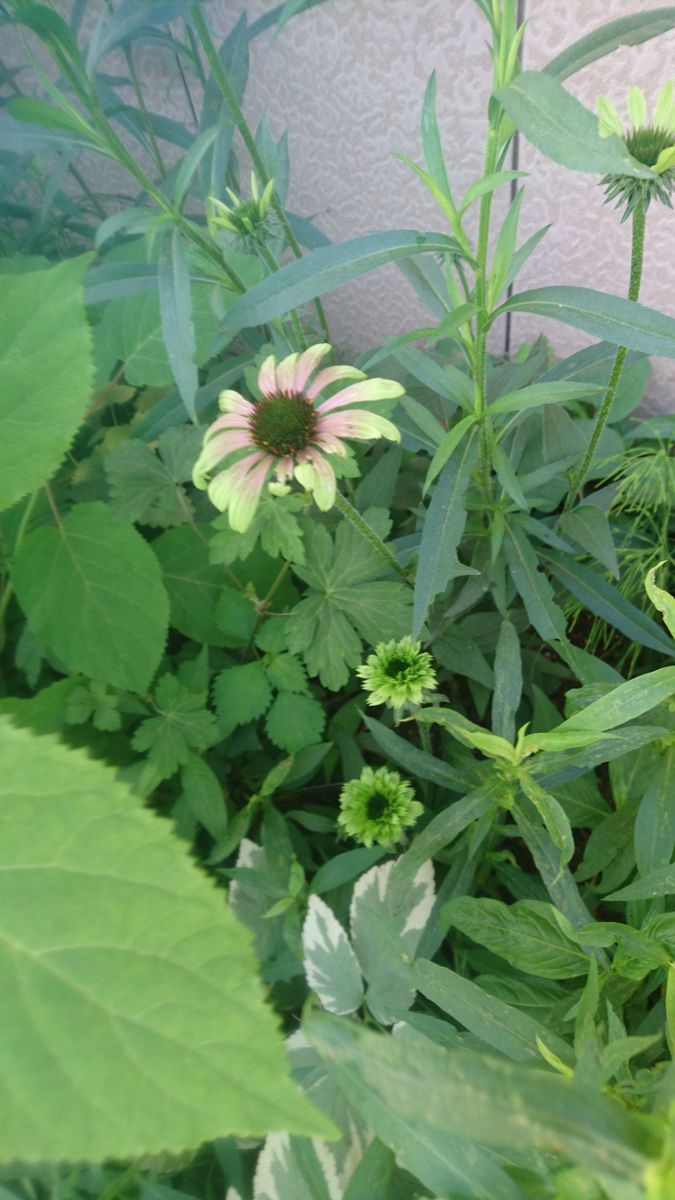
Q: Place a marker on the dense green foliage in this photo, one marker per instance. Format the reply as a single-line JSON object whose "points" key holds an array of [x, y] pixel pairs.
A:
{"points": [[385, 771]]}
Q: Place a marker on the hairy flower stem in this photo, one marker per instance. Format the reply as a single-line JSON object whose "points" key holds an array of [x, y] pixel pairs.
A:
{"points": [[229, 96], [273, 266], [350, 513], [636, 261]]}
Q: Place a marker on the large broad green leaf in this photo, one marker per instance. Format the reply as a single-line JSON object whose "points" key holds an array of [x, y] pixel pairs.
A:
{"points": [[480, 1099], [194, 584], [123, 977], [91, 589], [563, 129], [625, 31], [611, 318], [325, 269], [47, 373]]}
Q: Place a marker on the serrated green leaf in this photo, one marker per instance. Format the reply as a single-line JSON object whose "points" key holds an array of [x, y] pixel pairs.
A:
{"points": [[204, 796], [286, 673], [294, 722], [92, 591], [183, 724], [120, 963], [192, 582], [41, 408], [345, 602], [142, 489], [235, 616], [241, 694]]}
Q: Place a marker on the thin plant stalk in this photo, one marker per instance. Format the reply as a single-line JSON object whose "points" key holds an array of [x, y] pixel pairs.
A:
{"points": [[348, 511], [221, 77], [636, 262]]}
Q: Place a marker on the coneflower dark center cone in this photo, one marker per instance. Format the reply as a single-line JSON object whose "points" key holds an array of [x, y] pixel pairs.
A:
{"points": [[397, 667], [377, 806], [284, 425]]}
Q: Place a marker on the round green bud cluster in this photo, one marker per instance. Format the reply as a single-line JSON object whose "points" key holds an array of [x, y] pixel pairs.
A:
{"points": [[398, 673], [378, 807]]}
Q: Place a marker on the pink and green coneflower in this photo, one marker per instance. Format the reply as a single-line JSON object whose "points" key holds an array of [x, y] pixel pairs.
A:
{"points": [[288, 432]]}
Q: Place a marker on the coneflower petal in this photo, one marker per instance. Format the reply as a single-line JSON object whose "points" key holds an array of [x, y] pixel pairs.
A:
{"points": [[315, 473], [331, 375], [365, 392], [267, 376], [358, 423], [307, 363], [286, 374], [231, 402]]}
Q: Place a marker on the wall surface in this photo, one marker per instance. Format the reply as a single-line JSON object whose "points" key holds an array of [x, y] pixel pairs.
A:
{"points": [[346, 79]]}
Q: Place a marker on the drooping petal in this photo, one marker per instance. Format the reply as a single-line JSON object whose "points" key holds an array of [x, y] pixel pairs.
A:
{"points": [[307, 363], [610, 121], [239, 479], [220, 447], [227, 421], [284, 469], [267, 377], [365, 392], [316, 475], [637, 107], [286, 373], [358, 423], [244, 500], [330, 443], [331, 375], [232, 402]]}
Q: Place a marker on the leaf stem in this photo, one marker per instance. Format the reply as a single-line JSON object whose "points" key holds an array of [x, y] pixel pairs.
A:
{"points": [[351, 514], [636, 262]]}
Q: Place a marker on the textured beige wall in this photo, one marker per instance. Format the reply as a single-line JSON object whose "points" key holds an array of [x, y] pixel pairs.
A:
{"points": [[346, 79]]}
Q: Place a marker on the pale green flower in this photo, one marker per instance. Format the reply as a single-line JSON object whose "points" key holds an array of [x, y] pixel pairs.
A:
{"points": [[378, 807], [397, 673], [651, 143], [246, 218]]}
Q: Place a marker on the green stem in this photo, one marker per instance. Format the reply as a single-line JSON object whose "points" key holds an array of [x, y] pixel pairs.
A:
{"points": [[636, 261], [483, 317], [220, 75], [270, 262], [154, 148], [350, 513]]}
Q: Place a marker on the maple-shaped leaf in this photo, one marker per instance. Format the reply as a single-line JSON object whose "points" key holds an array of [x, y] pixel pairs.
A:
{"points": [[348, 601], [183, 724]]}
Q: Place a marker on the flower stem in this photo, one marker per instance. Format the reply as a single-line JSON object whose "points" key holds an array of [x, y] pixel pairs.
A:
{"points": [[350, 513], [636, 261], [483, 317]]}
